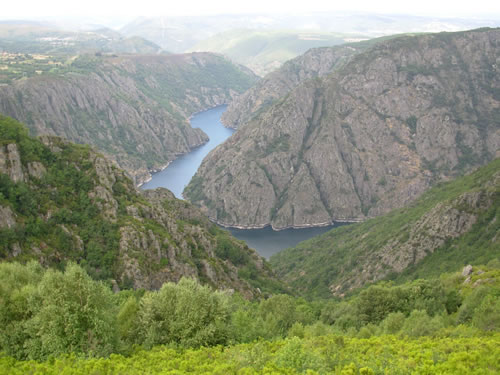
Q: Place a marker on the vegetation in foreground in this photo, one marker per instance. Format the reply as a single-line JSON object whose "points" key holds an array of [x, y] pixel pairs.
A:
{"points": [[55, 321], [330, 354]]}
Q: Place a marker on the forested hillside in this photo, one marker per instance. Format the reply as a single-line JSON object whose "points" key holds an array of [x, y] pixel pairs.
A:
{"points": [[32, 37], [264, 51], [63, 202], [452, 224]]}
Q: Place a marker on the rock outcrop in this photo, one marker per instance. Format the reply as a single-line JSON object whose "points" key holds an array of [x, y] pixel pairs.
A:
{"points": [[133, 108], [316, 62], [453, 224], [80, 206], [7, 218], [370, 137]]}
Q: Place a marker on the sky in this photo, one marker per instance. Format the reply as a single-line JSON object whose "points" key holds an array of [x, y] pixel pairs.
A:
{"points": [[36, 9]]}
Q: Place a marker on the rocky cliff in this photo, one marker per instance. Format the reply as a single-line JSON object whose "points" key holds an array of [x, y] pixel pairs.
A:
{"points": [[60, 202], [370, 137], [316, 62], [133, 108], [451, 225]]}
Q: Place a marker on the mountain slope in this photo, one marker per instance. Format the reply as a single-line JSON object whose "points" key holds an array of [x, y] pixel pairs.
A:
{"points": [[33, 37], [61, 202], [316, 62], [179, 33], [265, 50], [451, 225], [133, 108], [366, 139]]}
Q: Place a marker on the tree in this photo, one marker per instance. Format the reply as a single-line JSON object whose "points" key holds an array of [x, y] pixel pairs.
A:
{"points": [[75, 314], [186, 313], [18, 295]]}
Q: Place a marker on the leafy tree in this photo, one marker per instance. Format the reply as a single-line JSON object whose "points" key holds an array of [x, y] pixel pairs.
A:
{"points": [[186, 313], [278, 314], [296, 330], [127, 321], [17, 297], [246, 324], [375, 303], [471, 302], [74, 315]]}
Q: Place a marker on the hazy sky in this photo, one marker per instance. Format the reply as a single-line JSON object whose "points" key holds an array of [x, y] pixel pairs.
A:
{"points": [[132, 8]]}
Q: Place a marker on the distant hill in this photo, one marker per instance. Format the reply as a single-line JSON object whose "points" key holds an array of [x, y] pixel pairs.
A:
{"points": [[266, 50], [60, 202], [135, 108], [179, 34], [451, 225], [33, 37]]}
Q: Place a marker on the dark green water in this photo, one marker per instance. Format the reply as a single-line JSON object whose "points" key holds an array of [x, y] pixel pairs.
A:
{"points": [[268, 242]]}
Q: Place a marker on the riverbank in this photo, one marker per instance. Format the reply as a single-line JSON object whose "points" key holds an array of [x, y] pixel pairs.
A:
{"points": [[263, 238], [277, 229], [181, 169]]}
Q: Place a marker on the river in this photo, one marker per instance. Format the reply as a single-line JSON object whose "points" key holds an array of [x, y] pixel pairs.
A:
{"points": [[178, 174]]}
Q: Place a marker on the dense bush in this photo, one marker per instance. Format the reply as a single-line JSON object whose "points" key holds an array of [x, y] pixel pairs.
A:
{"points": [[51, 313], [186, 313], [47, 313], [331, 354], [487, 315]]}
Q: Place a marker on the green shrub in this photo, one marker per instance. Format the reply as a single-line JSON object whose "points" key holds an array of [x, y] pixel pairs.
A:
{"points": [[186, 313], [278, 314], [487, 314], [470, 303], [393, 323], [296, 330], [293, 355], [420, 324]]}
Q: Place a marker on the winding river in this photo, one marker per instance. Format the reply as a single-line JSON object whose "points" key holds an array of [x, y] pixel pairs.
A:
{"points": [[178, 174]]}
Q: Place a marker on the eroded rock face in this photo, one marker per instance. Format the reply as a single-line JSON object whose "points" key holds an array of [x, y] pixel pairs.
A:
{"points": [[316, 62], [7, 217], [10, 162], [135, 109], [154, 237], [467, 271], [453, 223], [446, 221], [368, 138]]}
